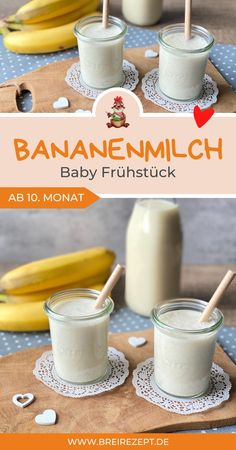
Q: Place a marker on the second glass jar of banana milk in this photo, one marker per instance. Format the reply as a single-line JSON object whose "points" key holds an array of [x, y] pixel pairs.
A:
{"points": [[153, 254]]}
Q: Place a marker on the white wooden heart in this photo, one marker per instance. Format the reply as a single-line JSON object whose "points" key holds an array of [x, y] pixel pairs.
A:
{"points": [[151, 53], [27, 399], [48, 417], [137, 341], [61, 103]]}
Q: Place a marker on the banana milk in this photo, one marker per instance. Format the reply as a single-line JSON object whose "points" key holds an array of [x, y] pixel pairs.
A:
{"points": [[79, 337], [153, 254], [183, 62], [184, 347], [101, 51]]}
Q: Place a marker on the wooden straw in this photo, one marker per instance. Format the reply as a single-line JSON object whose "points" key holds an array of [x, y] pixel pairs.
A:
{"points": [[217, 296], [188, 19], [111, 282], [105, 13]]}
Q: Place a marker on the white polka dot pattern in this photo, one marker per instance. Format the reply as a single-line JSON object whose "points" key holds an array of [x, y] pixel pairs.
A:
{"points": [[224, 59]]}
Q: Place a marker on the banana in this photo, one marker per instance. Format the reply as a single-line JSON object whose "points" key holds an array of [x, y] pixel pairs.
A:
{"points": [[89, 9], [25, 317], [41, 41], [44, 295], [39, 10], [57, 271], [97, 287]]}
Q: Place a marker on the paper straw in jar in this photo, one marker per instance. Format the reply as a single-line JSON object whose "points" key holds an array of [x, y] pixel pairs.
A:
{"points": [[105, 13], [111, 282], [188, 19], [217, 296]]}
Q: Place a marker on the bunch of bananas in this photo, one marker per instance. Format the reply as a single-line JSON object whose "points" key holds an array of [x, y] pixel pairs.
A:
{"points": [[44, 26], [25, 289]]}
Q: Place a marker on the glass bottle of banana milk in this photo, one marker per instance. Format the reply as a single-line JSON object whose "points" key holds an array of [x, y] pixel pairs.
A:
{"points": [[142, 12], [153, 254]]}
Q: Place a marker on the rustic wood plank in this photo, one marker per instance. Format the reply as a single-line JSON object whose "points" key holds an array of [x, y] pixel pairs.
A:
{"points": [[47, 84], [119, 410]]}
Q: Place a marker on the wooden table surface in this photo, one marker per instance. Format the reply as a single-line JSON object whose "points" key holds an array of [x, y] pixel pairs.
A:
{"points": [[117, 411], [218, 16], [197, 282]]}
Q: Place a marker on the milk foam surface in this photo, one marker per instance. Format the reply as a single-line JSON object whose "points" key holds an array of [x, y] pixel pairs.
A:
{"points": [[74, 308], [177, 40], [96, 30], [185, 319]]}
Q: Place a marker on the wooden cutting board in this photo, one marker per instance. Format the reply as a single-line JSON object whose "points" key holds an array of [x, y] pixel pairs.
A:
{"points": [[119, 410], [47, 84]]}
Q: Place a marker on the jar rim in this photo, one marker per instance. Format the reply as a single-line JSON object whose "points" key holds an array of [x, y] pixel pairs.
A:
{"points": [[185, 304], [196, 29], [170, 203], [98, 19], [68, 294]]}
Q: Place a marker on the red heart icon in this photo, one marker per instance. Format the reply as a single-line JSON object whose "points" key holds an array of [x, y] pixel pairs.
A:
{"points": [[202, 117]]}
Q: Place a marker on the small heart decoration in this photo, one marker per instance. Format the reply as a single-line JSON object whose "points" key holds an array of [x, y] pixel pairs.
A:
{"points": [[48, 417], [137, 341], [151, 53], [27, 399], [202, 117], [61, 103]]}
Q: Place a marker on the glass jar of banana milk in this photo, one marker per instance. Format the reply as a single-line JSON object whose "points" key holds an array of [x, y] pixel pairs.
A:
{"points": [[101, 51], [184, 347], [153, 254], [182, 62], [142, 12], [79, 334]]}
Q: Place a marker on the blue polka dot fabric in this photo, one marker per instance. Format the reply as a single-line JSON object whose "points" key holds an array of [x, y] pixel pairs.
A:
{"points": [[122, 320], [224, 59]]}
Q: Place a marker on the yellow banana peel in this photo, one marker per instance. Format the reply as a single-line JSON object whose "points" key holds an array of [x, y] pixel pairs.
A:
{"points": [[39, 10], [24, 317], [44, 295], [57, 271]]}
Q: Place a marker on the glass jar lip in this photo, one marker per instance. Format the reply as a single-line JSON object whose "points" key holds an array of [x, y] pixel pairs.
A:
{"points": [[95, 19], [80, 293], [185, 303], [197, 29]]}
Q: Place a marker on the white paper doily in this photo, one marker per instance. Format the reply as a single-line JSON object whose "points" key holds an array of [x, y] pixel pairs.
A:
{"points": [[118, 372], [74, 80], [144, 383], [152, 92]]}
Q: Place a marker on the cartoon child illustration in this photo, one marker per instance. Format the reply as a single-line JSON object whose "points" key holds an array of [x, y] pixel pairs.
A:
{"points": [[118, 117]]}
